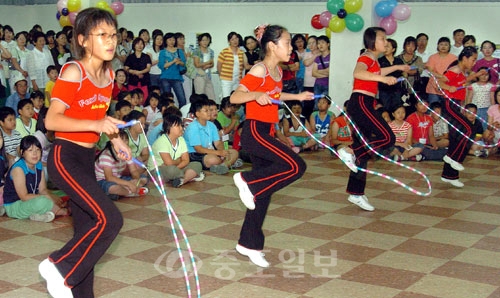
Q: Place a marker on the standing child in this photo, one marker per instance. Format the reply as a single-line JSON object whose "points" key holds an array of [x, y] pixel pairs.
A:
{"points": [[11, 137], [25, 124], [459, 144], [403, 132], [274, 164], [52, 73], [320, 120], [367, 75], [109, 172], [77, 123], [25, 192], [480, 93]]}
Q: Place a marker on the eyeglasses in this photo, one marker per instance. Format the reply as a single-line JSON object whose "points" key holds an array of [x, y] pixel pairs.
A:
{"points": [[106, 36]]}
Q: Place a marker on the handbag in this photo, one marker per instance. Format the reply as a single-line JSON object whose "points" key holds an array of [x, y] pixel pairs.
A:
{"points": [[182, 69]]}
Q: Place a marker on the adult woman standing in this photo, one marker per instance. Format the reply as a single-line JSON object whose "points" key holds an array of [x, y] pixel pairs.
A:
{"points": [[390, 95], [154, 53], [437, 64], [409, 57], [138, 66], [60, 53], [299, 46], [19, 55], [309, 80], [203, 59], [170, 61], [253, 52], [38, 61], [230, 65], [180, 44]]}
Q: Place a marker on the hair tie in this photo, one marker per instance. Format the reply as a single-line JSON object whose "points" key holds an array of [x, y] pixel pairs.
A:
{"points": [[259, 31]]}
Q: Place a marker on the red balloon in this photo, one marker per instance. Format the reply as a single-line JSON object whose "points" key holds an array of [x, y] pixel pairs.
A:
{"points": [[315, 22]]}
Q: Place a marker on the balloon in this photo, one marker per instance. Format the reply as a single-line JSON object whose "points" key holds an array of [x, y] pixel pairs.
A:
{"points": [[337, 24], [110, 10], [392, 3], [58, 15], [354, 22], [117, 7], [324, 18], [389, 24], [328, 32], [315, 22], [382, 9], [102, 4], [352, 6], [65, 11], [334, 5], [401, 12], [74, 5], [341, 13], [72, 17], [61, 4], [64, 21]]}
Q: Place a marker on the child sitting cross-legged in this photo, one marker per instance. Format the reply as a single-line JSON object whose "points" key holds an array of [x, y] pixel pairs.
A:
{"points": [[25, 191], [171, 154], [109, 173], [204, 144], [294, 129], [403, 131]]}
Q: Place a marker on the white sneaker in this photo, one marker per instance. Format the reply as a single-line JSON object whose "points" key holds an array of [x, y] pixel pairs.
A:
{"points": [[46, 217], [255, 256], [349, 159], [246, 195], [455, 165], [454, 182], [200, 177], [361, 201], [55, 281]]}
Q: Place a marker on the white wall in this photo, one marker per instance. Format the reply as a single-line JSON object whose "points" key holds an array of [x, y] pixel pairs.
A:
{"points": [[435, 19]]}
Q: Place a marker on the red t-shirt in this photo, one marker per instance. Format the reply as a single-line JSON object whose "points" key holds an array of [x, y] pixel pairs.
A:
{"points": [[420, 126], [456, 80], [267, 113], [288, 74], [83, 100], [373, 67]]}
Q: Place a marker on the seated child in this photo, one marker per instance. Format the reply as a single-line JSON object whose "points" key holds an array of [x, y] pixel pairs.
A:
{"points": [[403, 149], [214, 112], [45, 137], [440, 127], [294, 129], [320, 120], [188, 114], [110, 174], [204, 144], [25, 124], [151, 109], [25, 192], [122, 108], [171, 154], [135, 99], [11, 137], [136, 139], [479, 134], [341, 131], [156, 127], [38, 102], [52, 73], [228, 119], [494, 118]]}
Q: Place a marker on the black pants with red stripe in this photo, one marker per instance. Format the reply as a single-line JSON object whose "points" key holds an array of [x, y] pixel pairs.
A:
{"points": [[374, 129], [459, 145], [274, 166], [96, 219]]}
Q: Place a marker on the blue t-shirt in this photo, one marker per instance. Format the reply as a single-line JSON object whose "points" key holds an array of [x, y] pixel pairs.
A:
{"points": [[33, 178], [172, 72], [199, 135]]}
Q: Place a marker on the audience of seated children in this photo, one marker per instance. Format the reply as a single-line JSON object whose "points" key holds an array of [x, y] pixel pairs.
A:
{"points": [[25, 124], [171, 154], [136, 139], [21, 87], [11, 137], [204, 143], [294, 129], [321, 119], [423, 132], [118, 178], [52, 73], [228, 119], [402, 130], [151, 109], [25, 191], [479, 135], [439, 126], [37, 99], [45, 137], [341, 131]]}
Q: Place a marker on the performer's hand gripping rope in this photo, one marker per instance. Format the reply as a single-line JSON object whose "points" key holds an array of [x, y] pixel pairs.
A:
{"points": [[171, 216], [385, 176]]}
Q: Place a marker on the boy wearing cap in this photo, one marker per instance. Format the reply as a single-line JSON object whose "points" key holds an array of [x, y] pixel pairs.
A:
{"points": [[21, 87]]}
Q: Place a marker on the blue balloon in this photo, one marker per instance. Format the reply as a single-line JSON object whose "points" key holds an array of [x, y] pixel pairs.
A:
{"points": [[58, 15], [65, 11], [383, 9], [392, 4]]}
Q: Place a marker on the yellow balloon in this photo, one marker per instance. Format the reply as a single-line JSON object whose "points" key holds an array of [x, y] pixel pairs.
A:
{"points": [[64, 21], [328, 32], [337, 24], [352, 6], [110, 10], [74, 5], [102, 4]]}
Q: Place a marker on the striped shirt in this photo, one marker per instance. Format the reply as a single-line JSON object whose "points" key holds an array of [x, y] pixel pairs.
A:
{"points": [[401, 132], [226, 58]]}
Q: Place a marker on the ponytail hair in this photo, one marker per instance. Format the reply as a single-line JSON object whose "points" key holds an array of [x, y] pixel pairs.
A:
{"points": [[272, 33]]}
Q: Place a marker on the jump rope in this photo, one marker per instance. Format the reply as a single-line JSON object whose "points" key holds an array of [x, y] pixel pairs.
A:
{"points": [[365, 142], [171, 215]]}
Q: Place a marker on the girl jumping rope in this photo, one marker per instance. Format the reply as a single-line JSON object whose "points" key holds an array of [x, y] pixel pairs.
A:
{"points": [[77, 114], [274, 165], [360, 108]]}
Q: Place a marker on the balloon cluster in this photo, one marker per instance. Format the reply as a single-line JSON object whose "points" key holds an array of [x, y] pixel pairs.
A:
{"points": [[68, 9], [390, 12], [339, 15]]}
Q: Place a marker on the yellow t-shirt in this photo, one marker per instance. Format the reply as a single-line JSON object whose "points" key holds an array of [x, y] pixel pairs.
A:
{"points": [[48, 90]]}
